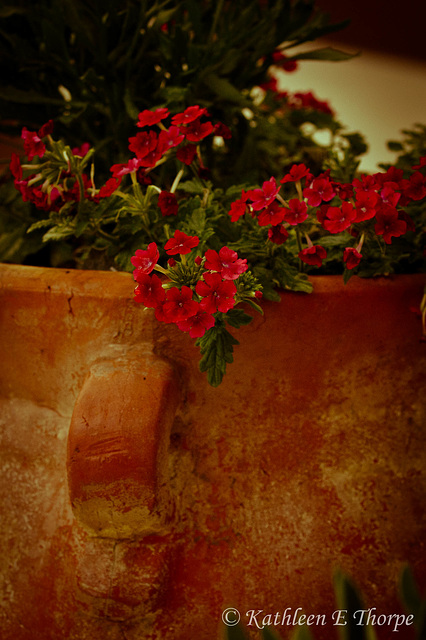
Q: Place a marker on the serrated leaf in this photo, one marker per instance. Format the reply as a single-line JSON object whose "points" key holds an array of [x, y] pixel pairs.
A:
{"points": [[216, 347], [238, 318], [59, 232], [199, 218], [40, 224], [191, 186]]}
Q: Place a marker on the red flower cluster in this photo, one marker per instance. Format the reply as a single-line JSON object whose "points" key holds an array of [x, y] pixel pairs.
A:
{"points": [[149, 147], [191, 308], [371, 204], [298, 100]]}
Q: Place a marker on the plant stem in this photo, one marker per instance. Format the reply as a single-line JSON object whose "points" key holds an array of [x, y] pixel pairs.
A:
{"points": [[217, 13]]}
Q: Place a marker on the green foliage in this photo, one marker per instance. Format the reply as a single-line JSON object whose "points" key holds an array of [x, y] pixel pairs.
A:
{"points": [[216, 348], [93, 65]]}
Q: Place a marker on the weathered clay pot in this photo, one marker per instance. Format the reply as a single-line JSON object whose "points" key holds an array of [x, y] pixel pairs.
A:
{"points": [[138, 502]]}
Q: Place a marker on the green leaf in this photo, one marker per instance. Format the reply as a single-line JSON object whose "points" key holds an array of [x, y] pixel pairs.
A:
{"points": [[40, 224], [59, 232], [238, 318], [347, 275], [326, 53], [290, 278], [349, 600], [191, 186], [225, 90], [216, 347]]}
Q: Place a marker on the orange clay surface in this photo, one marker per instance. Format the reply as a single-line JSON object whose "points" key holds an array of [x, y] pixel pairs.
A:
{"points": [[138, 503]]}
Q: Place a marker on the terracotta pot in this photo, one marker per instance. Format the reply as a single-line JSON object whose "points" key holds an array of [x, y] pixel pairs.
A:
{"points": [[138, 502]]}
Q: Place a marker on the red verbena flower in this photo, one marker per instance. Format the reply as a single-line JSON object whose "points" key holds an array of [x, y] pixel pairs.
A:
{"points": [[198, 130], [187, 153], [344, 190], [216, 294], [108, 189], [46, 129], [197, 324], [143, 143], [351, 257], [320, 190], [226, 262], [365, 205], [222, 131], [278, 234], [154, 156], [181, 243], [239, 207], [168, 203], [313, 255], [272, 214], [307, 100], [131, 166], [142, 177], [365, 183], [389, 194], [416, 189], [296, 213], [170, 138], [149, 290], [388, 224], [33, 144], [339, 218], [296, 173], [261, 198], [147, 118], [189, 115], [145, 260], [179, 304], [82, 150], [15, 166]]}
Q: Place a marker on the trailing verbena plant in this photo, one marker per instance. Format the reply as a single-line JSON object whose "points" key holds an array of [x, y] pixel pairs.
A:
{"points": [[219, 247], [207, 172]]}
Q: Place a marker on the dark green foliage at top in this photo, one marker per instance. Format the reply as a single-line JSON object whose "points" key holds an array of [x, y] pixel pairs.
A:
{"points": [[93, 65]]}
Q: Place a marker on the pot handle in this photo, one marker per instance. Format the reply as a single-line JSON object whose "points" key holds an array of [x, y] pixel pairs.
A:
{"points": [[118, 446]]}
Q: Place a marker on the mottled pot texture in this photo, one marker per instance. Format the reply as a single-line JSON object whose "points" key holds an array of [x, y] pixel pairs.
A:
{"points": [[138, 503]]}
